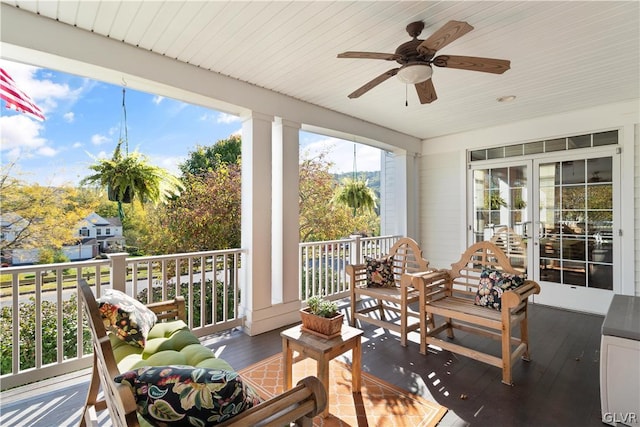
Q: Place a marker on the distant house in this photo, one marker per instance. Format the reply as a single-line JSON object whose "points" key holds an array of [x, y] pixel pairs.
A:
{"points": [[105, 232], [95, 234]]}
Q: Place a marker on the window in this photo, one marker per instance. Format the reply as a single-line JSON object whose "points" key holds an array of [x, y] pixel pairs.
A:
{"points": [[84, 231], [559, 144]]}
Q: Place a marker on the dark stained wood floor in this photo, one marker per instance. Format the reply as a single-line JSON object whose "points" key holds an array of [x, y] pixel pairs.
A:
{"points": [[559, 387]]}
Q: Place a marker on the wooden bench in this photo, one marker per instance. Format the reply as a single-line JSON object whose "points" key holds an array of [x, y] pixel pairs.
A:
{"points": [[450, 294], [298, 405], [407, 258]]}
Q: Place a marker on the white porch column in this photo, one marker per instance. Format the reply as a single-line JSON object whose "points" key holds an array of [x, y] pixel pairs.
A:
{"points": [[401, 194], [285, 231], [256, 217]]}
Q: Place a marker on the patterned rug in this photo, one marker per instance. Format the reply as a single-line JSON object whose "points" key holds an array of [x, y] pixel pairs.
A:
{"points": [[379, 404]]}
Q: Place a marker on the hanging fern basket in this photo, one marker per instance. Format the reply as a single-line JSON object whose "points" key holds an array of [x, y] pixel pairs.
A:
{"points": [[114, 194]]}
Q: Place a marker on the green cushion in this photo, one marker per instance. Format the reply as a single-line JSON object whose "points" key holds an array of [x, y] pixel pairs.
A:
{"points": [[128, 362], [214, 363], [165, 329], [122, 349], [168, 343], [162, 358], [176, 341], [196, 353]]}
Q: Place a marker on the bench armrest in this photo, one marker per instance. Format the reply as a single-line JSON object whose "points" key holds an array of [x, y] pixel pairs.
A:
{"points": [[299, 405], [519, 295], [357, 275], [170, 309], [434, 284]]}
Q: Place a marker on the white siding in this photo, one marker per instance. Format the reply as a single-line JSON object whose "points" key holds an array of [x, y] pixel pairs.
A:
{"points": [[441, 210]]}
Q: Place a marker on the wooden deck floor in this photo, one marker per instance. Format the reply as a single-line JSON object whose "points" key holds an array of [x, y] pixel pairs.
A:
{"points": [[559, 387]]}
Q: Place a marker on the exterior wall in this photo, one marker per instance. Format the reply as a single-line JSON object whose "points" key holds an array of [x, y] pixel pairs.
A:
{"points": [[443, 179]]}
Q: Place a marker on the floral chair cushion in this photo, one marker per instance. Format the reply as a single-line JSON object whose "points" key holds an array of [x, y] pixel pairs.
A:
{"points": [[493, 283], [184, 395], [126, 317], [380, 272]]}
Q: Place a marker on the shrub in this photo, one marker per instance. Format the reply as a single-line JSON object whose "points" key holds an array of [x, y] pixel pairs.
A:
{"points": [[184, 291], [27, 328]]}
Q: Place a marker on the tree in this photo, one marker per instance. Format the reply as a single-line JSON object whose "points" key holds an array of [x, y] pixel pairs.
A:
{"points": [[319, 218], [206, 216], [40, 216], [204, 159]]}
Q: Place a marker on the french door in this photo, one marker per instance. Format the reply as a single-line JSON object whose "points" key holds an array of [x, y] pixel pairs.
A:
{"points": [[555, 219]]}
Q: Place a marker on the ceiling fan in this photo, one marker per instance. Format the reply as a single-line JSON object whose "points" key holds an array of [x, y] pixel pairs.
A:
{"points": [[417, 56]]}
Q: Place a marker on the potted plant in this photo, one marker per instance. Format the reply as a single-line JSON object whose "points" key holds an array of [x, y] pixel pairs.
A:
{"points": [[127, 177], [321, 318], [599, 253], [495, 201]]}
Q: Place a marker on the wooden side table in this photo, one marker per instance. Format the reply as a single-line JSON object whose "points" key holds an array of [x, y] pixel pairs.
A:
{"points": [[323, 351]]}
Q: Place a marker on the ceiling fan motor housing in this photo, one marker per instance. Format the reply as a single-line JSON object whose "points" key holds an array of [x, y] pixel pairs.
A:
{"points": [[409, 53]]}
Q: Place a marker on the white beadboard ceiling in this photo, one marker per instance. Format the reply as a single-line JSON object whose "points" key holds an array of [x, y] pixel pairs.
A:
{"points": [[564, 55]]}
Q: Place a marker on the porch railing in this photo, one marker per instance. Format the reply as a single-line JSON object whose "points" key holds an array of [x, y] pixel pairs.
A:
{"points": [[322, 264], [41, 336]]}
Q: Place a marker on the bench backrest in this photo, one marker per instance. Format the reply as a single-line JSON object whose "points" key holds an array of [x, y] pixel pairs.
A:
{"points": [[465, 274], [407, 258], [120, 400]]}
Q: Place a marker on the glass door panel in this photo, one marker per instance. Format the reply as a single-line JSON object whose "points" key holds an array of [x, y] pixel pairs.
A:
{"points": [[576, 223], [500, 210]]}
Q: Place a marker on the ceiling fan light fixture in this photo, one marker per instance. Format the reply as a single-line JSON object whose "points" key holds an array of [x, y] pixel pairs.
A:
{"points": [[414, 73]]}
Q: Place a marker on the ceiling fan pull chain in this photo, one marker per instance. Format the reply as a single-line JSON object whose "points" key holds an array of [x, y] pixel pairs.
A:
{"points": [[406, 96]]}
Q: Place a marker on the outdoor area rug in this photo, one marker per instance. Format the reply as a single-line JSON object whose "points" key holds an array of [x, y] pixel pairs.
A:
{"points": [[379, 404]]}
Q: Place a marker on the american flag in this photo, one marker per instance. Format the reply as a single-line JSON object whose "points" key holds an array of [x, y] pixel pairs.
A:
{"points": [[17, 99]]}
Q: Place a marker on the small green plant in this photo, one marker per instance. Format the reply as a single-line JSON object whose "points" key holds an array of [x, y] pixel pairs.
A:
{"points": [[322, 307]]}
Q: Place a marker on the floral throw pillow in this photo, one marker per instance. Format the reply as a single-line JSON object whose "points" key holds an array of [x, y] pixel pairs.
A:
{"points": [[380, 272], [184, 395], [493, 283], [126, 317]]}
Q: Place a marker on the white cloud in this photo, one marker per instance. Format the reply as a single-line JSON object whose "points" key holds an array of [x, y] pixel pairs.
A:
{"points": [[77, 144], [45, 93], [47, 151], [69, 117], [227, 118], [157, 99], [98, 139], [171, 164], [20, 136]]}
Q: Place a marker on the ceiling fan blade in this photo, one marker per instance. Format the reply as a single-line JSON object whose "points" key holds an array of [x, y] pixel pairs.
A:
{"points": [[370, 55], [472, 63], [373, 83], [449, 32], [426, 92]]}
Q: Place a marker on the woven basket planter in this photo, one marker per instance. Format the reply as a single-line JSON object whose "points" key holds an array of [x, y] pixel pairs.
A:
{"points": [[323, 327]]}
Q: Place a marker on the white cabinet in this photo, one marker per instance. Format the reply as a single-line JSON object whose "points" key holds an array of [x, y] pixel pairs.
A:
{"points": [[620, 362]]}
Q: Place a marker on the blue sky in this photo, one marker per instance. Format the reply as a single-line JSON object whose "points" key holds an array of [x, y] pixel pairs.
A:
{"points": [[84, 120]]}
